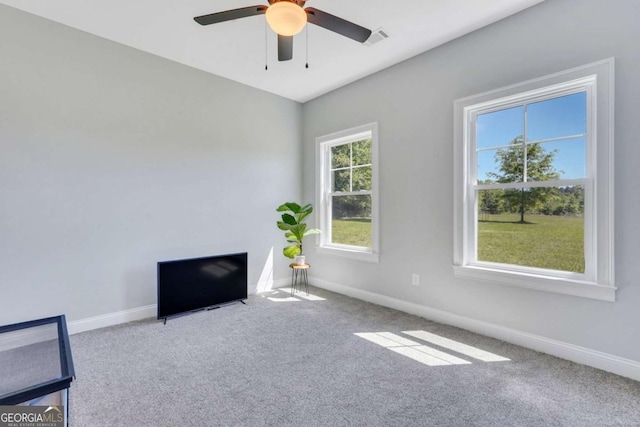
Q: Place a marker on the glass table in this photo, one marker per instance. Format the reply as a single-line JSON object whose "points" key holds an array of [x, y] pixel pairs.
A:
{"points": [[36, 367]]}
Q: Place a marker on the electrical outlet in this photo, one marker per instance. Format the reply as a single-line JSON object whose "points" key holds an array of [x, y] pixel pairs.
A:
{"points": [[415, 279]]}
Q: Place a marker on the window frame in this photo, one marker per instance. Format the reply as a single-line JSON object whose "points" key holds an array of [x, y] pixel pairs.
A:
{"points": [[324, 193], [597, 282]]}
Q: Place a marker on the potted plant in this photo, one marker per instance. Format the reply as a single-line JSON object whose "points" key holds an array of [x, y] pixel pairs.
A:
{"points": [[295, 229]]}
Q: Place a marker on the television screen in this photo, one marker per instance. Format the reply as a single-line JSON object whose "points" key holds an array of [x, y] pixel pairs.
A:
{"points": [[199, 283]]}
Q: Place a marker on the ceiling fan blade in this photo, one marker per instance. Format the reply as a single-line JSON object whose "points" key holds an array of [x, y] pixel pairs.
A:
{"points": [[285, 48], [337, 25], [228, 15]]}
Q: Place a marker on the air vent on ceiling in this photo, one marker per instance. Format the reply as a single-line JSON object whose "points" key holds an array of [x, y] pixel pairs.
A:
{"points": [[377, 36]]}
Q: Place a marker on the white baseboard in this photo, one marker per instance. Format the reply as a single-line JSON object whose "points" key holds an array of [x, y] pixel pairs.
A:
{"points": [[130, 315], [21, 338], [110, 319], [607, 362], [24, 337]]}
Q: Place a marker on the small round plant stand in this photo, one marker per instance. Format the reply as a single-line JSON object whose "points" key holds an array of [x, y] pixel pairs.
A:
{"points": [[299, 277]]}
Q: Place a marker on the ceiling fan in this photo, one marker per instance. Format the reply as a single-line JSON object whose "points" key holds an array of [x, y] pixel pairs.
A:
{"points": [[287, 18]]}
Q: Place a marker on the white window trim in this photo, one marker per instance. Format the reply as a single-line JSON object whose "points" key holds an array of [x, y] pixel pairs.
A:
{"points": [[324, 246], [598, 280]]}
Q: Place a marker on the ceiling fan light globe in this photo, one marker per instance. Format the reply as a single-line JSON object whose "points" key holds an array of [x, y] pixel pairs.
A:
{"points": [[286, 18]]}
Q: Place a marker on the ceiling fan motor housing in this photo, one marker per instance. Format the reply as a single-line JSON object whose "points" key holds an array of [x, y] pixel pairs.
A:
{"points": [[286, 18]]}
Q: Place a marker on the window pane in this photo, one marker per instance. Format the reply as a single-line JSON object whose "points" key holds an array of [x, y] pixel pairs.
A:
{"points": [[487, 166], [362, 152], [340, 156], [557, 117], [502, 165], [362, 178], [351, 220], [340, 180], [499, 128], [568, 158], [540, 163], [536, 227]]}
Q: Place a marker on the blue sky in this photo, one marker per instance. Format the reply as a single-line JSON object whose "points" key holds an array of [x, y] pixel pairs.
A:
{"points": [[553, 118]]}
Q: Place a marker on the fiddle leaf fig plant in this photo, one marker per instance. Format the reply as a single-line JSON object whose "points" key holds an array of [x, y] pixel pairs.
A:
{"points": [[294, 227]]}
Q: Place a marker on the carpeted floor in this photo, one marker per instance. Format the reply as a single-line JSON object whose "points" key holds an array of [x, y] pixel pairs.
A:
{"points": [[279, 361]]}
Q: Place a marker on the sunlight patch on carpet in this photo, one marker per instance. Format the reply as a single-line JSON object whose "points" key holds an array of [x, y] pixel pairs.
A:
{"points": [[284, 295], [414, 350], [456, 346], [285, 299], [428, 355]]}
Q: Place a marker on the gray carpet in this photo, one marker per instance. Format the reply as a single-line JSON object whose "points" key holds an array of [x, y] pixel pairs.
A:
{"points": [[281, 362]]}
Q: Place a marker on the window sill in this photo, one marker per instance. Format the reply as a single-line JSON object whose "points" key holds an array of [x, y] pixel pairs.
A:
{"points": [[347, 253], [538, 282]]}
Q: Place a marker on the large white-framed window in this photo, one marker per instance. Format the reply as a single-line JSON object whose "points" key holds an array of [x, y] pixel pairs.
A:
{"points": [[347, 193], [533, 184]]}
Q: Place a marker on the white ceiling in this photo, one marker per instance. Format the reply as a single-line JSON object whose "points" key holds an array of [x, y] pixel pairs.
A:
{"points": [[236, 49]]}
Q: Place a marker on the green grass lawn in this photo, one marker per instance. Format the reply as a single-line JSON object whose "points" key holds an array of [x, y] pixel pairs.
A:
{"points": [[552, 242], [356, 232]]}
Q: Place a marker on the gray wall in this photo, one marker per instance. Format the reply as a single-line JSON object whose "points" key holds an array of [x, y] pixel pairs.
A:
{"points": [[413, 103], [112, 159]]}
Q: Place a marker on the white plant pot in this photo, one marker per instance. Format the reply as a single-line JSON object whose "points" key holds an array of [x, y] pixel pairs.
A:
{"points": [[299, 259]]}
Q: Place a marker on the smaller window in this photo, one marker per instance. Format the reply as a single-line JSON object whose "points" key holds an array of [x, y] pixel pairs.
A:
{"points": [[348, 193]]}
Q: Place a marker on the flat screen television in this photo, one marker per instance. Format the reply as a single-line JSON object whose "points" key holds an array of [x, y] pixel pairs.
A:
{"points": [[188, 285]]}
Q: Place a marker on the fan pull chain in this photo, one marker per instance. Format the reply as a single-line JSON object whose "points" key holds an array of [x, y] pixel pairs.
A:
{"points": [[266, 67], [306, 29]]}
